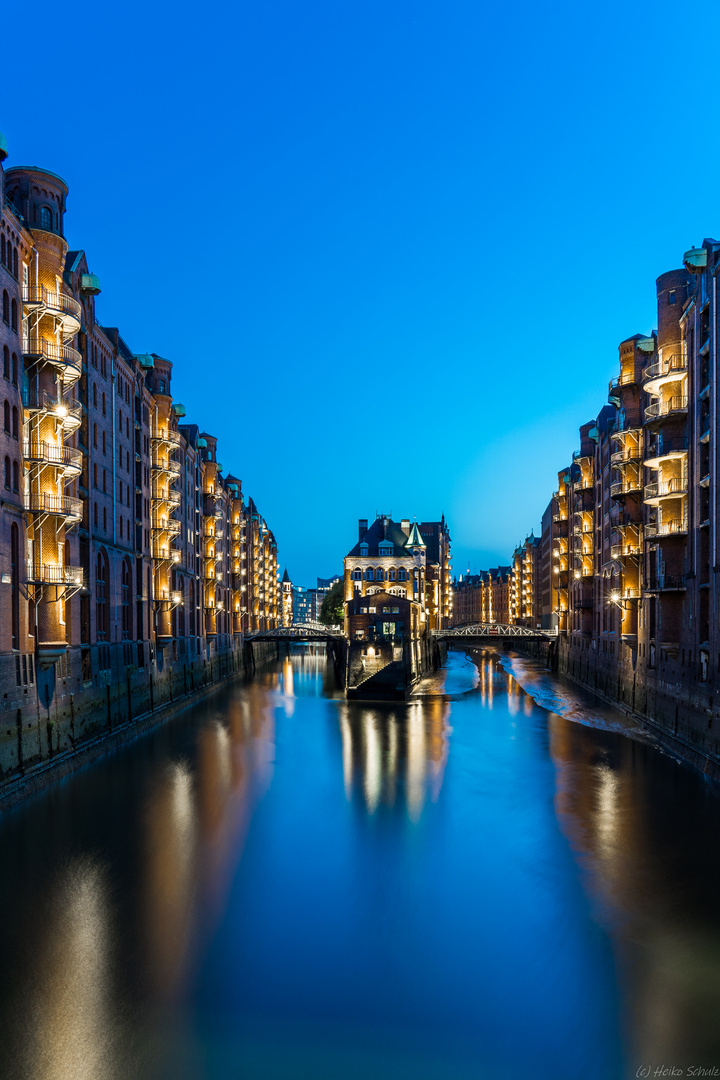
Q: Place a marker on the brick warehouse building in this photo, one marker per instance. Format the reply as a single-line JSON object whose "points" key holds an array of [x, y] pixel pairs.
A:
{"points": [[633, 525], [125, 550]]}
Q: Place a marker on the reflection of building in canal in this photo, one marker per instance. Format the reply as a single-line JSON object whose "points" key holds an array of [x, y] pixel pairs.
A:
{"points": [[395, 755], [196, 819], [613, 799], [70, 1020]]}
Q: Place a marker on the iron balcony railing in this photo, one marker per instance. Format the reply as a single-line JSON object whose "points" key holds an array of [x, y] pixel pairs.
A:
{"points": [[170, 437], [627, 453], [67, 410], [666, 528], [625, 486], [62, 505], [627, 379], [665, 581], [658, 409], [676, 485], [168, 525], [43, 574], [669, 365], [41, 297], [619, 551], [66, 358], [62, 457]]}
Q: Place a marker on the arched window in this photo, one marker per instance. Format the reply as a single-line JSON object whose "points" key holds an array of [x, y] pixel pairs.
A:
{"points": [[7, 473], [95, 514], [392, 574], [16, 477], [94, 434], [126, 599], [101, 602], [2, 250], [6, 363], [105, 518], [14, 319], [379, 574], [46, 218], [6, 416], [14, 369], [95, 395], [15, 578], [103, 402], [104, 442], [6, 307], [369, 574], [15, 422], [357, 574], [402, 575], [15, 263]]}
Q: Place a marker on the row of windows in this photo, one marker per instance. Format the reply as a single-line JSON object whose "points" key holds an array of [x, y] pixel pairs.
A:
{"points": [[10, 311], [9, 256], [12, 475], [10, 366], [10, 416], [372, 574]]}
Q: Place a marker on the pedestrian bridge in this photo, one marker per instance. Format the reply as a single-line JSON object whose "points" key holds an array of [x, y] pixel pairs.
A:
{"points": [[309, 631], [492, 630]]}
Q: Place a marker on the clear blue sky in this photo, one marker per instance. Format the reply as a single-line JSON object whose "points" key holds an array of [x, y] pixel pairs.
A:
{"points": [[390, 247]]}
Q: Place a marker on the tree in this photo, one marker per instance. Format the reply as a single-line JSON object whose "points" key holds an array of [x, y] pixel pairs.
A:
{"points": [[332, 611]]}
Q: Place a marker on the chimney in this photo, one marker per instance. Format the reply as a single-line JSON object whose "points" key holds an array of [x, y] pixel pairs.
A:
{"points": [[362, 527], [405, 526]]}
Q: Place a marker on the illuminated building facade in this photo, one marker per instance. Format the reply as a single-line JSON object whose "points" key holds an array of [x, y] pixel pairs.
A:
{"points": [[633, 524], [124, 548]]}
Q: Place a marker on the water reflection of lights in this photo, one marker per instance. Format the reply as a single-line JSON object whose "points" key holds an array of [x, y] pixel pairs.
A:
{"points": [[387, 750], [73, 1023]]}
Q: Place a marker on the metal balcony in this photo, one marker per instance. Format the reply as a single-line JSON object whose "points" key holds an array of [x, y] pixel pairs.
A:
{"points": [[64, 358], [622, 551], [627, 486], [59, 505], [665, 489], [66, 458], [669, 369], [56, 304], [43, 574], [675, 527], [666, 583], [626, 454], [168, 438], [665, 449], [661, 409], [168, 525]]}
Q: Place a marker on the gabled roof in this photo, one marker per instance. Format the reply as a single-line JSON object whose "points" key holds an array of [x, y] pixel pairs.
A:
{"points": [[378, 532]]}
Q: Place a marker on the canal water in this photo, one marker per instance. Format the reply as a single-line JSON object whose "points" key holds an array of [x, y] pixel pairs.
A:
{"points": [[483, 883]]}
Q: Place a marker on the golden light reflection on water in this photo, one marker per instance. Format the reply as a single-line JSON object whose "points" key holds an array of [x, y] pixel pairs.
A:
{"points": [[195, 833], [70, 1033], [671, 965], [386, 750]]}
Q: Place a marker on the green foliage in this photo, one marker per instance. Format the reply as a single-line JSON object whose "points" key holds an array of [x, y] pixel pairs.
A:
{"points": [[332, 611]]}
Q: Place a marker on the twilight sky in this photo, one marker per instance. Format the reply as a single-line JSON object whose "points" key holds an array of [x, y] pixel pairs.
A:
{"points": [[390, 247]]}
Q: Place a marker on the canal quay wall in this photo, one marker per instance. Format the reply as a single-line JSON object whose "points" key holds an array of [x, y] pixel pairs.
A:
{"points": [[682, 713], [69, 722]]}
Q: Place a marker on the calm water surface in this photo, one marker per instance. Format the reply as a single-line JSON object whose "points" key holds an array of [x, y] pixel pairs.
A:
{"points": [[280, 884]]}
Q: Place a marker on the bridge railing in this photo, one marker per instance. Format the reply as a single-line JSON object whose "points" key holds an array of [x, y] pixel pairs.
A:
{"points": [[502, 630]]}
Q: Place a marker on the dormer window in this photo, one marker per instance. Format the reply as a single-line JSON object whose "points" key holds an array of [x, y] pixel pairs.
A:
{"points": [[364, 549], [385, 549]]}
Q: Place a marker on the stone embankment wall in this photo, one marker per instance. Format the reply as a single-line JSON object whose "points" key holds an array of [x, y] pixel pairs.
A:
{"points": [[56, 724], [680, 708]]}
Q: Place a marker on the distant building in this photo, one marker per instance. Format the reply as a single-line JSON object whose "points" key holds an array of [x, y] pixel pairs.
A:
{"points": [[286, 600]]}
